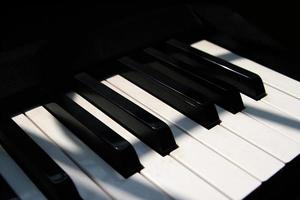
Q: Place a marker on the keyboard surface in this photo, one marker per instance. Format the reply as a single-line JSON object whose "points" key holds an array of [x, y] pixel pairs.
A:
{"points": [[121, 138]]}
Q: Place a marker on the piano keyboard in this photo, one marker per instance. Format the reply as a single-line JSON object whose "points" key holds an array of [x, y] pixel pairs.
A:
{"points": [[146, 134]]}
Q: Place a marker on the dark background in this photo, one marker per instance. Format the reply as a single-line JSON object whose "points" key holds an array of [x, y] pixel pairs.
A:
{"points": [[23, 23], [42, 43]]}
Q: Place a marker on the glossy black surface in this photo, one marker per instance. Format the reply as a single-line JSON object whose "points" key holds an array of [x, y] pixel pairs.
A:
{"points": [[39, 167], [149, 129], [101, 139], [217, 91], [200, 62], [203, 111], [6, 192]]}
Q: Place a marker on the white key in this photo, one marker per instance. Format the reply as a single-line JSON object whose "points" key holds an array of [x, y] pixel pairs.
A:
{"points": [[202, 160], [17, 179], [268, 139], [282, 101], [272, 117], [284, 96], [235, 149], [84, 185], [135, 187], [271, 77], [168, 174]]}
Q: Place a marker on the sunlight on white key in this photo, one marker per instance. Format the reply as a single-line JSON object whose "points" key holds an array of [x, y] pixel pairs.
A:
{"points": [[282, 101], [85, 186], [221, 140], [266, 138], [207, 167], [271, 77], [233, 148], [69, 146], [167, 173], [134, 187], [273, 118]]}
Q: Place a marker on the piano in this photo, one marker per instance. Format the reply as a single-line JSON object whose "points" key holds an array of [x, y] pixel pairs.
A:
{"points": [[146, 101]]}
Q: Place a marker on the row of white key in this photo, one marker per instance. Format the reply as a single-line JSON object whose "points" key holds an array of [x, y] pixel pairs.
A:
{"points": [[218, 138], [135, 187], [165, 172], [227, 161], [84, 185], [252, 159], [280, 108], [270, 77]]}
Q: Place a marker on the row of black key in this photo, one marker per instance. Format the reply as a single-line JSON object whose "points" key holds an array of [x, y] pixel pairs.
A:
{"points": [[159, 71]]}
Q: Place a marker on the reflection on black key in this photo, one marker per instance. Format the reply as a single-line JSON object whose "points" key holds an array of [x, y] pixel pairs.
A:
{"points": [[39, 167], [6, 192], [203, 112], [217, 91], [202, 63], [105, 142], [149, 129]]}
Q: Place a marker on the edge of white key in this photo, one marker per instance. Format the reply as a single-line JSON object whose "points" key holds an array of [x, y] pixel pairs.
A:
{"points": [[85, 186], [17, 179], [134, 187], [271, 77]]}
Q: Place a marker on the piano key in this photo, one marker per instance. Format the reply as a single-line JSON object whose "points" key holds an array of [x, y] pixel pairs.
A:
{"points": [[41, 169], [173, 93], [144, 63], [6, 192], [102, 140], [134, 187], [17, 179], [168, 174], [270, 77], [282, 101], [268, 139], [247, 82], [206, 114], [146, 127], [85, 186], [217, 91], [273, 118], [256, 162]]}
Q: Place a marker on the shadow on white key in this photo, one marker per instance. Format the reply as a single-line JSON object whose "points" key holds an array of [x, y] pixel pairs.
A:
{"points": [[283, 93], [217, 138], [283, 102], [134, 187], [17, 179], [200, 159], [270, 140], [258, 163], [167, 173], [84, 185], [271, 77], [274, 118]]}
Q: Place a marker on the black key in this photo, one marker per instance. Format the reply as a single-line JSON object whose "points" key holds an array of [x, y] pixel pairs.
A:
{"points": [[217, 91], [114, 149], [202, 63], [6, 192], [39, 167], [149, 129], [203, 112]]}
